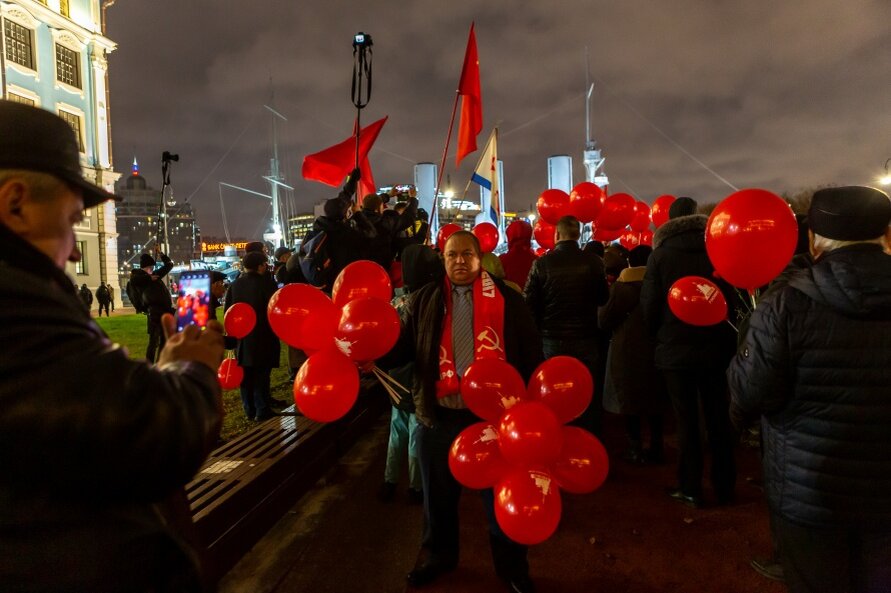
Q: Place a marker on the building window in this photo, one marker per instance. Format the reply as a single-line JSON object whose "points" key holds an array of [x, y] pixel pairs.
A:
{"points": [[20, 99], [80, 267], [64, 8], [67, 66], [75, 122], [18, 44]]}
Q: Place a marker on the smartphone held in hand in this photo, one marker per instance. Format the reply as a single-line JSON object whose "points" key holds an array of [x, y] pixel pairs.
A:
{"points": [[193, 299]]}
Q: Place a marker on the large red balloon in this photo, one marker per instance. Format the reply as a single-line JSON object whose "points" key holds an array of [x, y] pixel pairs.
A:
{"points": [[303, 316], [586, 201], [239, 320], [544, 233], [646, 238], [529, 435], [368, 329], [528, 506], [475, 459], [490, 387], [361, 278], [583, 464], [230, 375], [326, 386], [487, 234], [606, 235], [618, 210], [629, 239], [552, 205], [697, 301], [659, 212], [641, 220], [750, 237], [539, 251], [444, 233], [563, 384]]}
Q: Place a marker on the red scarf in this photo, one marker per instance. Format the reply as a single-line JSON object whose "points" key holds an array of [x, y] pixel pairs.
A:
{"points": [[488, 331]]}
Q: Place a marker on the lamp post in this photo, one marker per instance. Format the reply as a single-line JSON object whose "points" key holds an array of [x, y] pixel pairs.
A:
{"points": [[886, 178]]}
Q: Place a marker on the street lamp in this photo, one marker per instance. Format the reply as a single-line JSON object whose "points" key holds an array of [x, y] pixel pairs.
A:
{"points": [[886, 178]]}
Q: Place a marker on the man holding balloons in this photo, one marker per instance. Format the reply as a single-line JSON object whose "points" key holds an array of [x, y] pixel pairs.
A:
{"points": [[449, 325], [816, 366]]}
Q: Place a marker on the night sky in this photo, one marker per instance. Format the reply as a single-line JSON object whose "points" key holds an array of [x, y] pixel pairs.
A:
{"points": [[691, 97]]}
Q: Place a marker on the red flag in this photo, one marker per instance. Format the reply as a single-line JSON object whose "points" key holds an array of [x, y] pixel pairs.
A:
{"points": [[471, 102], [332, 165]]}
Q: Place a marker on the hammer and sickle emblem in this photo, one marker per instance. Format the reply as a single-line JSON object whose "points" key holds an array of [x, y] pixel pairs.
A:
{"points": [[443, 356], [487, 341]]}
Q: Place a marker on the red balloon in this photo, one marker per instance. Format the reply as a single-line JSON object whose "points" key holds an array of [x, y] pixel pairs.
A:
{"points": [[239, 320], [361, 278], [606, 235], [553, 204], [528, 506], [544, 233], [230, 375], [564, 384], [540, 251], [326, 386], [659, 213], [750, 237], [368, 329], [646, 238], [586, 201], [475, 459], [618, 210], [529, 435], [641, 219], [490, 387], [697, 301], [487, 234], [444, 233], [303, 316], [629, 239], [583, 464]]}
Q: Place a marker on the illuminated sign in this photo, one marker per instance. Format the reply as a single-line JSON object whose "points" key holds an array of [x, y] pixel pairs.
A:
{"points": [[222, 246]]}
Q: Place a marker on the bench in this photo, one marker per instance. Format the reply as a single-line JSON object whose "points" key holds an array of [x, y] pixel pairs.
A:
{"points": [[250, 482]]}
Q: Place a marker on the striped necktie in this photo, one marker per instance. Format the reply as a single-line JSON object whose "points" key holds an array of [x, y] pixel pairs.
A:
{"points": [[462, 327]]}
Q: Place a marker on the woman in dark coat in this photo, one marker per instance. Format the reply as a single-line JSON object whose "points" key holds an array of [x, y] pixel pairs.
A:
{"points": [[258, 352], [633, 387]]}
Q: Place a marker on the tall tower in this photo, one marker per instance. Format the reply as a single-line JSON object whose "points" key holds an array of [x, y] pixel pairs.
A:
{"points": [[593, 158]]}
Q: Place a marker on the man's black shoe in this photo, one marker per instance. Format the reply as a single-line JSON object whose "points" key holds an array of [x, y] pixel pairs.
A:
{"points": [[678, 495], [769, 568], [521, 584], [427, 572]]}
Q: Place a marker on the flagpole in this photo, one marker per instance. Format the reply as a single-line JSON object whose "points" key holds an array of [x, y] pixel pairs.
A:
{"points": [[445, 152]]}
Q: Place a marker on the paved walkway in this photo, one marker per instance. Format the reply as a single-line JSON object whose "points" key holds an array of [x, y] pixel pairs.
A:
{"points": [[628, 537]]}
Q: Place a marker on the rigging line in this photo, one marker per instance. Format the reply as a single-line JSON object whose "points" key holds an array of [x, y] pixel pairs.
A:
{"points": [[630, 189], [223, 215], [263, 220], [223, 158], [664, 135], [569, 101]]}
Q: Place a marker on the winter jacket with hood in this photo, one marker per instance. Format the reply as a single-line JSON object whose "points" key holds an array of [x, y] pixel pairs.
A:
{"points": [[678, 251], [519, 257], [816, 362]]}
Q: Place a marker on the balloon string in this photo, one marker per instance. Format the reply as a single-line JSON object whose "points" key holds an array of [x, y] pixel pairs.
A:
{"points": [[388, 378], [390, 391], [731, 325]]}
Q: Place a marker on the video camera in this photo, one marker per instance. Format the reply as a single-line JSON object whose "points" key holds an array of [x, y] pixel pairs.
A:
{"points": [[362, 40]]}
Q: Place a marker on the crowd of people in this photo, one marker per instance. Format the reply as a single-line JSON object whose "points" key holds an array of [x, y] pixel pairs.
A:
{"points": [[94, 468]]}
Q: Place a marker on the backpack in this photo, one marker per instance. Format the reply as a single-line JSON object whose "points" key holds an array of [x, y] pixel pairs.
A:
{"points": [[135, 297], [315, 260]]}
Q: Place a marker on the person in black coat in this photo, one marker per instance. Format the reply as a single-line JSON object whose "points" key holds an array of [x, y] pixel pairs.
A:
{"points": [[258, 352], [692, 359], [155, 296], [564, 289], [380, 228], [86, 296], [815, 364], [442, 416]]}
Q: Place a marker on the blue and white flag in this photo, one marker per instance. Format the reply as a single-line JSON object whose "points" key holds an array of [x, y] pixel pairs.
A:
{"points": [[486, 175]]}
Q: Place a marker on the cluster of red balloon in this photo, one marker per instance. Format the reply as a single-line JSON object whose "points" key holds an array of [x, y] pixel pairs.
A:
{"points": [[750, 237], [617, 216], [238, 322], [485, 232], [522, 449], [355, 326]]}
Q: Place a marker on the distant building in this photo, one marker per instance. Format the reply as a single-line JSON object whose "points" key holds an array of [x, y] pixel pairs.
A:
{"points": [[299, 225], [137, 224], [55, 57]]}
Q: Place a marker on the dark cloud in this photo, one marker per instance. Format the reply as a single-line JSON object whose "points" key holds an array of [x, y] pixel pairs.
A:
{"points": [[765, 94]]}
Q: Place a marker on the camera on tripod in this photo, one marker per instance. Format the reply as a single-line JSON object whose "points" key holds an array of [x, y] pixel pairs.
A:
{"points": [[362, 40]]}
